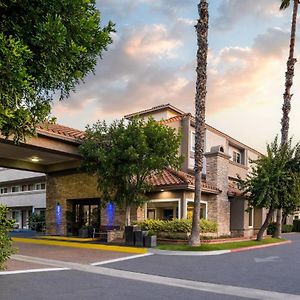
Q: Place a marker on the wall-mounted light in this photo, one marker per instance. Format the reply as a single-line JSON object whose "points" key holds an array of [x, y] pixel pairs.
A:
{"points": [[35, 159]]}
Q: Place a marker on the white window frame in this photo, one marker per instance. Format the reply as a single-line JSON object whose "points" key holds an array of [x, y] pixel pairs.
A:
{"points": [[3, 188], [169, 200], [235, 155], [40, 186], [16, 186], [252, 217], [193, 141]]}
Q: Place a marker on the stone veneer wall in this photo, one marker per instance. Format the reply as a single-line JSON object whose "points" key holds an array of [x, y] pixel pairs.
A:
{"points": [[217, 165], [61, 188]]}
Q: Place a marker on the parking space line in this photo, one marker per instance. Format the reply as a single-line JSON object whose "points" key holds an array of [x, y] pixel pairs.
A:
{"points": [[120, 259], [32, 271]]}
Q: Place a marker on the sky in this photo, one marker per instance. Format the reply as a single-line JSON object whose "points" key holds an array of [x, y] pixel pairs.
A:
{"points": [[152, 61]]}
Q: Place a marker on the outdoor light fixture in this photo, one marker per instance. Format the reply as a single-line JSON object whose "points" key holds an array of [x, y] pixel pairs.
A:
{"points": [[35, 159]]}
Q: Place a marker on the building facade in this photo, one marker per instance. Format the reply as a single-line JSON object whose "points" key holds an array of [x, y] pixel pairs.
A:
{"points": [[72, 198], [23, 193]]}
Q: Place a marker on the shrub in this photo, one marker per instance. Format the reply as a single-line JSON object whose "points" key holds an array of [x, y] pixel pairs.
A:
{"points": [[5, 242], [271, 228], [178, 225], [36, 222], [287, 228], [296, 225]]}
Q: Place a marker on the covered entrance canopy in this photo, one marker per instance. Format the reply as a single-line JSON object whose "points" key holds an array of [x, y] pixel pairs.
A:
{"points": [[55, 148]]}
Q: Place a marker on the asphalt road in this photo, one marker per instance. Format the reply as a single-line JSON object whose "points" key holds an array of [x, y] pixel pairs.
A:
{"points": [[270, 269], [274, 268], [65, 285]]}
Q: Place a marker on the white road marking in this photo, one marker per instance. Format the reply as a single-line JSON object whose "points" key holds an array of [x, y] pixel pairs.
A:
{"points": [[32, 271], [188, 253], [175, 282], [119, 259], [266, 259]]}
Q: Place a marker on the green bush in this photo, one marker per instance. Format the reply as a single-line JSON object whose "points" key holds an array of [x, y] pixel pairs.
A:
{"points": [[178, 225], [271, 228], [287, 228], [296, 225], [5, 242], [36, 222]]}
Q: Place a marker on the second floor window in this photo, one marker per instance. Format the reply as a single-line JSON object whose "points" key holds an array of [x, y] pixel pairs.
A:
{"points": [[236, 157]]}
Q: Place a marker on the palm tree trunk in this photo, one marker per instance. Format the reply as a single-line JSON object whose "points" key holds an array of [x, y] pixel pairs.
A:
{"points": [[265, 225], [287, 97], [202, 37]]}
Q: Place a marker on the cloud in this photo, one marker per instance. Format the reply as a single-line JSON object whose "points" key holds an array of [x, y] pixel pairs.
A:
{"points": [[233, 11], [248, 75]]}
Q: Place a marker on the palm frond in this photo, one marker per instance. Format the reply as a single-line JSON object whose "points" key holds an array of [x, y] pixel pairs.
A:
{"points": [[285, 4]]}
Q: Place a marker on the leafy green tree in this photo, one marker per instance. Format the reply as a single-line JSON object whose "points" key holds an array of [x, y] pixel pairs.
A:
{"points": [[46, 49], [6, 225], [274, 181], [124, 155]]}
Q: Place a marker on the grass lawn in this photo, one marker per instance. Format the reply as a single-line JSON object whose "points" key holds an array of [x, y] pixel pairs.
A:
{"points": [[213, 247]]}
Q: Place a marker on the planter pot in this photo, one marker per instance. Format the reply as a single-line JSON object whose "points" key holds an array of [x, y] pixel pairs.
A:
{"points": [[150, 241], [129, 235]]}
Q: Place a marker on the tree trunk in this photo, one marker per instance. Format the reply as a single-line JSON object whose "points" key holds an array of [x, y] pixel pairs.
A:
{"points": [[202, 36], [287, 97], [278, 229], [127, 216], [265, 225]]}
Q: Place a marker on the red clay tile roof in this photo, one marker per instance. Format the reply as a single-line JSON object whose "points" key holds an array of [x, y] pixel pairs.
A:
{"points": [[60, 132], [170, 177], [233, 190]]}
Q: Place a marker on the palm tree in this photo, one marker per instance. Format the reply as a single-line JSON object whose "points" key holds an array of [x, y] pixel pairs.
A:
{"points": [[202, 36], [287, 96]]}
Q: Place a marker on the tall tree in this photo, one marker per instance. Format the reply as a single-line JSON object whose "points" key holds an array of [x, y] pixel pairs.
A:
{"points": [[202, 39], [287, 96], [123, 156], [46, 49], [274, 181]]}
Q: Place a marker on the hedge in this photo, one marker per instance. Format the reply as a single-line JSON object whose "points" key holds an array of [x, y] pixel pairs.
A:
{"points": [[177, 225], [5, 242], [296, 225]]}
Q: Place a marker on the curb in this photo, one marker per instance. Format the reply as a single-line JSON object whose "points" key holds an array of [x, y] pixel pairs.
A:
{"points": [[211, 253], [82, 245], [260, 246]]}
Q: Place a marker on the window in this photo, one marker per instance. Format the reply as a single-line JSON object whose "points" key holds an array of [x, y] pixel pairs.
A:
{"points": [[24, 188], [30, 187], [151, 214], [203, 210], [40, 186], [15, 189], [236, 157], [168, 214], [250, 212], [3, 190], [193, 142]]}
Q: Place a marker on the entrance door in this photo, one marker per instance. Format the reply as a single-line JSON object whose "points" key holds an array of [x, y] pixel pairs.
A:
{"points": [[87, 212]]}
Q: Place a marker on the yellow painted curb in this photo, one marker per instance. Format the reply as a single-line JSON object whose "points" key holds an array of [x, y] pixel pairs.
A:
{"points": [[82, 245], [65, 238]]}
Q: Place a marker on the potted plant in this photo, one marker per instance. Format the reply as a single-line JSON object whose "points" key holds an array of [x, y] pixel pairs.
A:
{"points": [[150, 239]]}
